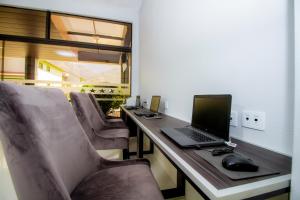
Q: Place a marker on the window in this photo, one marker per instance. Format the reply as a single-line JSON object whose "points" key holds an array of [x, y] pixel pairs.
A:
{"points": [[73, 53]]}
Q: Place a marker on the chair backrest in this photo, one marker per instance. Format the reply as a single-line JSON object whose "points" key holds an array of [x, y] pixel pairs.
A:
{"points": [[87, 114], [47, 151], [98, 107]]}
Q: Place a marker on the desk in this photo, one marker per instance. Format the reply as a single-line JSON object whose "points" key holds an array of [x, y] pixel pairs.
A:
{"points": [[207, 180]]}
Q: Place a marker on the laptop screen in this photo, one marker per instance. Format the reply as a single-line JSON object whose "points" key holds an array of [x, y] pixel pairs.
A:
{"points": [[155, 100], [138, 101], [211, 113]]}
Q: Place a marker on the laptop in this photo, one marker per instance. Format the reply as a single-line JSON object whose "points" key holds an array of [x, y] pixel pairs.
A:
{"points": [[137, 104], [154, 106], [210, 123]]}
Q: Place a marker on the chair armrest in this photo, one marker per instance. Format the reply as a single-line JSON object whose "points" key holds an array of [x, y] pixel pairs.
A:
{"points": [[104, 164], [115, 120], [109, 126]]}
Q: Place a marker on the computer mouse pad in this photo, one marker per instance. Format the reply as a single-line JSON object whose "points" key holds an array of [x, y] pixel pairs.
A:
{"points": [[216, 161]]}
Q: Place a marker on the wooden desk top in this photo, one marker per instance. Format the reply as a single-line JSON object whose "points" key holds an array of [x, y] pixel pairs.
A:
{"points": [[212, 182]]}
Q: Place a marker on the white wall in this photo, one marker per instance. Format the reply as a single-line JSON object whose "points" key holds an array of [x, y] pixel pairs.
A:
{"points": [[210, 46], [123, 10], [296, 153]]}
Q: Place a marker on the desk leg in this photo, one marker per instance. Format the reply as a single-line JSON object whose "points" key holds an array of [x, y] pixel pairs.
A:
{"points": [[140, 142], [151, 151], [126, 154], [180, 188], [180, 182], [125, 117]]}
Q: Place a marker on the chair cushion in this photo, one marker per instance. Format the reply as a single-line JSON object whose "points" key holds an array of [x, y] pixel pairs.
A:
{"points": [[115, 124], [132, 182], [109, 133], [111, 139]]}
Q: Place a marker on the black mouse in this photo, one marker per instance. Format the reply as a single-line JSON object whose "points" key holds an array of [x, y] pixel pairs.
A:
{"points": [[238, 163]]}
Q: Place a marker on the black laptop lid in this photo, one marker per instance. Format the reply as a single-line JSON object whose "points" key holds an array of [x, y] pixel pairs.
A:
{"points": [[138, 101], [211, 113]]}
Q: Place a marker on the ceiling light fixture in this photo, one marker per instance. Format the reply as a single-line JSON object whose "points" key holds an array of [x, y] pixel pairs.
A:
{"points": [[69, 54], [65, 74]]}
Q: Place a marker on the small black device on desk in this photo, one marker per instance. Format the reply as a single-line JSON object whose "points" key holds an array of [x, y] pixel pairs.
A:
{"points": [[137, 104], [154, 106], [149, 115], [234, 162], [222, 151], [153, 116], [210, 123]]}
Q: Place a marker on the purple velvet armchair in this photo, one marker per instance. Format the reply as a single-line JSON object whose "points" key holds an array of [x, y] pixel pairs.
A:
{"points": [[116, 123], [51, 158], [100, 135]]}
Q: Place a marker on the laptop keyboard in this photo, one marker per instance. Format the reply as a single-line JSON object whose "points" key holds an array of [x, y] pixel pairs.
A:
{"points": [[143, 112], [195, 135]]}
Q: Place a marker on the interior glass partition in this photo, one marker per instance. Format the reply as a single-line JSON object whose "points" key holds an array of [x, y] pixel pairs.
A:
{"points": [[102, 73], [73, 53]]}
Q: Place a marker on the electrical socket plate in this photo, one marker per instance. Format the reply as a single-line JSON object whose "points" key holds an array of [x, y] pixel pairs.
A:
{"points": [[254, 120], [166, 104], [234, 118]]}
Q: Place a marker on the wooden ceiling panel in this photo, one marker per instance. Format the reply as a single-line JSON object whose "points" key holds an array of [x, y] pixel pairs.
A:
{"points": [[109, 29], [22, 22]]}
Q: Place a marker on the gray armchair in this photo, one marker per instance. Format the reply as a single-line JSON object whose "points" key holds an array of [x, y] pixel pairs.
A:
{"points": [[100, 135], [51, 158], [116, 123]]}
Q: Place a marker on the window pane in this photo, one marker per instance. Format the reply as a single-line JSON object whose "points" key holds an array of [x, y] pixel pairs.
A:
{"points": [[21, 22], [90, 30], [71, 69]]}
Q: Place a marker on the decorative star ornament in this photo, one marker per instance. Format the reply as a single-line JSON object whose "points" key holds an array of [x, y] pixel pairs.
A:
{"points": [[102, 90]]}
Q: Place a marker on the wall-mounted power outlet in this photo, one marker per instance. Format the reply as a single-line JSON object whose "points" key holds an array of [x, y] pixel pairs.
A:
{"points": [[145, 103], [254, 119], [166, 105], [234, 118]]}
